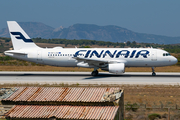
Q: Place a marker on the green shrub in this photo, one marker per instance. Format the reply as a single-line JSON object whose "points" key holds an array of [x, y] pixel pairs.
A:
{"points": [[6, 58], [153, 116], [134, 107]]}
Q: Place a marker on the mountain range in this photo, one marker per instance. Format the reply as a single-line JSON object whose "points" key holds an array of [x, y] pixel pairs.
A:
{"points": [[110, 33]]}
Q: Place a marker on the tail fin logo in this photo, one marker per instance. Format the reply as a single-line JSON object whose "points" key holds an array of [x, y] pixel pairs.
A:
{"points": [[20, 36]]}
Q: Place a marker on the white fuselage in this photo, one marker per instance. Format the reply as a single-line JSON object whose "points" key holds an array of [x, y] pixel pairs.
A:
{"points": [[64, 57], [113, 60]]}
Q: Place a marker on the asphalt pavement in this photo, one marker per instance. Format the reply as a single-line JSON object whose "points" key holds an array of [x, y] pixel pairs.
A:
{"points": [[86, 78]]}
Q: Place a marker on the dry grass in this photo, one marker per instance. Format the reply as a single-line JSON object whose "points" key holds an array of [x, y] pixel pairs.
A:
{"points": [[157, 69], [71, 69], [42, 68], [154, 97]]}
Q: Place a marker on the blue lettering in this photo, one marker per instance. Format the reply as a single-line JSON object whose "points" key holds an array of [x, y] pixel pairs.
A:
{"points": [[142, 54], [97, 55], [77, 53], [126, 54], [109, 53], [87, 54], [132, 55]]}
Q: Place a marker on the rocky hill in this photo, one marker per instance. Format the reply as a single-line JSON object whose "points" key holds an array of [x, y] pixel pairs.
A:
{"points": [[91, 32], [33, 29]]}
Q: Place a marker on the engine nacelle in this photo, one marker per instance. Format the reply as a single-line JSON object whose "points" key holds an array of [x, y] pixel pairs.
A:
{"points": [[115, 68]]}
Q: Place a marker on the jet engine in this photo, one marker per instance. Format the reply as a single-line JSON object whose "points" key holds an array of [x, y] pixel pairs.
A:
{"points": [[115, 68]]}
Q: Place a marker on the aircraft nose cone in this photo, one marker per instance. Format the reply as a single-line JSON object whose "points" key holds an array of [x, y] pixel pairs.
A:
{"points": [[174, 60]]}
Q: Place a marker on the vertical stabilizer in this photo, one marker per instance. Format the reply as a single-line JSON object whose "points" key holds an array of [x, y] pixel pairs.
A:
{"points": [[20, 39]]}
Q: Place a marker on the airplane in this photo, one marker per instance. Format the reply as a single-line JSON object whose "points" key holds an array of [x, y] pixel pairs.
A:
{"points": [[113, 60]]}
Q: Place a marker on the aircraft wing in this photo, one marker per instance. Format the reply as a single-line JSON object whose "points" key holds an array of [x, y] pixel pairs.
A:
{"points": [[87, 60], [97, 62]]}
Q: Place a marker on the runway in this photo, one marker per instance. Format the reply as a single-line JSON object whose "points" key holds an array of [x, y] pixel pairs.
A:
{"points": [[86, 78]]}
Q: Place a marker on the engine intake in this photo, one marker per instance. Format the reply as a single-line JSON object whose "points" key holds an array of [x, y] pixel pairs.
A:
{"points": [[115, 68]]}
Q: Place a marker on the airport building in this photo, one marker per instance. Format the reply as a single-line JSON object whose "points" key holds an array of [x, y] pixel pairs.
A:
{"points": [[63, 103]]}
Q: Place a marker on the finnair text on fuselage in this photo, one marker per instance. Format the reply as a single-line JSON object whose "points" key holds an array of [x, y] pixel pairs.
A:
{"points": [[114, 54]]}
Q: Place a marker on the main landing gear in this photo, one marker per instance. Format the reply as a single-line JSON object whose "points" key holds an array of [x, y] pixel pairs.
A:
{"points": [[153, 72], [95, 72]]}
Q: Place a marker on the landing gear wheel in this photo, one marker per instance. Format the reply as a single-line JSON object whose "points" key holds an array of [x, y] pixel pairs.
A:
{"points": [[153, 74], [94, 73]]}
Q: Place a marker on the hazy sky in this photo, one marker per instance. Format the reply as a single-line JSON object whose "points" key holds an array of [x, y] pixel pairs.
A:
{"points": [[161, 17]]}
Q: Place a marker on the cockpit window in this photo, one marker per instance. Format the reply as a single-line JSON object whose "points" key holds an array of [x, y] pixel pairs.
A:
{"points": [[166, 54]]}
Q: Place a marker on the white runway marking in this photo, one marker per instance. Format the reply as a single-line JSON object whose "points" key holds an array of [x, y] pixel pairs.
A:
{"points": [[86, 78]]}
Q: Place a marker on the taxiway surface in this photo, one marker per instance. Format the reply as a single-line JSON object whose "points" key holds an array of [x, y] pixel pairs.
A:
{"points": [[86, 78]]}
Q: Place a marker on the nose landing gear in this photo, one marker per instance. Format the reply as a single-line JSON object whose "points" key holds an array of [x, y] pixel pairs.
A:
{"points": [[153, 72]]}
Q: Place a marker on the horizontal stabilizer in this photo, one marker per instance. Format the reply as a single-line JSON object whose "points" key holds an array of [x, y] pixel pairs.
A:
{"points": [[15, 52]]}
